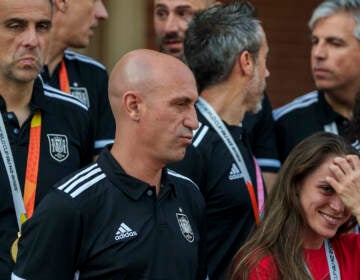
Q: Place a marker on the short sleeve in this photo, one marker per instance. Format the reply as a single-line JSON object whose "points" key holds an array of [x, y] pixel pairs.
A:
{"points": [[49, 245]]}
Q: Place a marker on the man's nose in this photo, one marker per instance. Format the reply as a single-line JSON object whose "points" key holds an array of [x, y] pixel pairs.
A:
{"points": [[100, 11]]}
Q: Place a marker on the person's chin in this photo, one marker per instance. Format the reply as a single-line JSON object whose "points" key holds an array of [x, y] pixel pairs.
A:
{"points": [[176, 52], [80, 44], [26, 75], [257, 108]]}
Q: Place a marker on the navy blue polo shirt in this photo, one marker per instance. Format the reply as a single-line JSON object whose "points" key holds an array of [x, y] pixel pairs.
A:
{"points": [[89, 83], [66, 146], [230, 218], [102, 223], [304, 116], [260, 133]]}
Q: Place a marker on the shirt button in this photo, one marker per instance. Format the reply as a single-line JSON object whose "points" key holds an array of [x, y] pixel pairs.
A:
{"points": [[16, 131], [10, 116], [149, 192]]}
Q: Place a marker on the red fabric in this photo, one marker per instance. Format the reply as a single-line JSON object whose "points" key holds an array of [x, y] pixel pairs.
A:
{"points": [[265, 270], [347, 252]]}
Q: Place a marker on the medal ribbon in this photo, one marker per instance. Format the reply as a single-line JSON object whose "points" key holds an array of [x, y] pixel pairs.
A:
{"points": [[209, 113], [64, 78], [32, 164]]}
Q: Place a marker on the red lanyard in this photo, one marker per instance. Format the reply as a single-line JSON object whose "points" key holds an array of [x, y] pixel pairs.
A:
{"points": [[64, 78], [32, 165]]}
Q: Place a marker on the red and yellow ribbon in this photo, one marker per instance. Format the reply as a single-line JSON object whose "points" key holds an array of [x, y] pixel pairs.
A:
{"points": [[64, 78], [32, 165]]}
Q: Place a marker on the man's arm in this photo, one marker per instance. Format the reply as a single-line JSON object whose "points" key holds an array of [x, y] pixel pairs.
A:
{"points": [[262, 138], [50, 241]]}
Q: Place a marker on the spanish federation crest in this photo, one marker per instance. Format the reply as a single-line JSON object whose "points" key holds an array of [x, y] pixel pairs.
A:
{"points": [[185, 227], [58, 146], [81, 93]]}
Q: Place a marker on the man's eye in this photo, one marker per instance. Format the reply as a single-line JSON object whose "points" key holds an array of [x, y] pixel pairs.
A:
{"points": [[336, 43], [186, 14], [314, 41], [161, 14], [43, 26], [15, 26]]}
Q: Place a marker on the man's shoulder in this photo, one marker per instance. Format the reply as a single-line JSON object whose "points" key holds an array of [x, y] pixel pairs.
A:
{"points": [[297, 107], [186, 188], [84, 61], [182, 182], [83, 184], [62, 99], [204, 137]]}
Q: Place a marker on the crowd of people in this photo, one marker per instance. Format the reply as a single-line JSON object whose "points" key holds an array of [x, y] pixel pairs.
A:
{"points": [[176, 166]]}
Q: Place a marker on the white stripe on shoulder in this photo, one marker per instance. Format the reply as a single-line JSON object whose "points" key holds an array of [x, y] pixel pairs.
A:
{"points": [[175, 174], [196, 130], [356, 145], [200, 135], [266, 162], [76, 176], [15, 277], [87, 185], [99, 144], [70, 55], [298, 103], [77, 275], [80, 180], [58, 94]]}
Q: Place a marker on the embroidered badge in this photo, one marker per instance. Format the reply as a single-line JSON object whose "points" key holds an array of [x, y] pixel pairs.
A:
{"points": [[81, 93], [58, 146], [185, 226]]}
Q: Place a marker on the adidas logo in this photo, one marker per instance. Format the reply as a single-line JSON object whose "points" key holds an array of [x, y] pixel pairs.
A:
{"points": [[124, 232], [235, 173]]}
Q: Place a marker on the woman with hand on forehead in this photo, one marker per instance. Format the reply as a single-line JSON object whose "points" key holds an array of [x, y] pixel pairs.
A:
{"points": [[305, 233]]}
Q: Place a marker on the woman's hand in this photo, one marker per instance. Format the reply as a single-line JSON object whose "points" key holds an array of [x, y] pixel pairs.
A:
{"points": [[346, 181]]}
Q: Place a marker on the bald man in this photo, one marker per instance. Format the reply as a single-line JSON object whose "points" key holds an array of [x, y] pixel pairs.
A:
{"points": [[126, 216]]}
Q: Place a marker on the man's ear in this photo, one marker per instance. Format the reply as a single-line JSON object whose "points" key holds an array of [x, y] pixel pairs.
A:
{"points": [[246, 63], [131, 101], [61, 5]]}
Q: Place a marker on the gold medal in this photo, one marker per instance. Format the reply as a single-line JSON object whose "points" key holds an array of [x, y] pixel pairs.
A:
{"points": [[14, 248]]}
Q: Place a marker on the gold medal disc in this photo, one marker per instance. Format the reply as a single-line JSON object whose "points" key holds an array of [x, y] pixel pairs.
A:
{"points": [[14, 248]]}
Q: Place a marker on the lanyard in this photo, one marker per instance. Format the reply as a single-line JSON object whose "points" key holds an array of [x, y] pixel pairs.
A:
{"points": [[32, 164], [31, 169], [209, 113], [331, 260], [64, 78]]}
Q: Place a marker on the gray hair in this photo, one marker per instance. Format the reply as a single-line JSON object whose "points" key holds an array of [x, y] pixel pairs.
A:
{"points": [[331, 7], [217, 36]]}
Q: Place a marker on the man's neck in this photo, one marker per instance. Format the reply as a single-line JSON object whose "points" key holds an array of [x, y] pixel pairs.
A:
{"points": [[227, 102], [55, 55], [134, 164], [17, 97], [344, 105]]}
